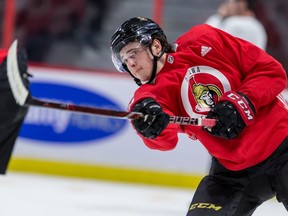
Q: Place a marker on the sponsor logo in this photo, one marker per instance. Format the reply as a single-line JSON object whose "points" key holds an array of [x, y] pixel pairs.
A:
{"points": [[242, 104], [205, 206], [205, 50], [60, 126], [282, 100]]}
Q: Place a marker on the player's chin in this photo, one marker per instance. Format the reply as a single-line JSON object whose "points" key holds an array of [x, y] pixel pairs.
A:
{"points": [[144, 80]]}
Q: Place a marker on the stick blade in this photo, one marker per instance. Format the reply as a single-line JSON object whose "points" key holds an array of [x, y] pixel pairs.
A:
{"points": [[18, 89]]}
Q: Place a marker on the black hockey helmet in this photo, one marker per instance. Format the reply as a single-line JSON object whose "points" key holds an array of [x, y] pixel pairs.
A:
{"points": [[139, 29]]}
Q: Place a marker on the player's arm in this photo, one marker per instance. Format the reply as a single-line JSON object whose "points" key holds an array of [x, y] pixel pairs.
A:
{"points": [[263, 78]]}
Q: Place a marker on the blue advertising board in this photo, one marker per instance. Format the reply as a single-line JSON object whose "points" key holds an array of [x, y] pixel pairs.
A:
{"points": [[45, 124]]}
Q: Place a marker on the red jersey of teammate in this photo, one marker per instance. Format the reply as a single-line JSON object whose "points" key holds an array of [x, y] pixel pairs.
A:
{"points": [[208, 62], [3, 54]]}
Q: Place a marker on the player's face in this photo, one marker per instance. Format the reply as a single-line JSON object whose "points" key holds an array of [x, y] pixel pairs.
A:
{"points": [[138, 59], [235, 7]]}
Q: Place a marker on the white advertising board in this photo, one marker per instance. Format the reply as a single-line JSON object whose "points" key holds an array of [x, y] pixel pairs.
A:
{"points": [[64, 136]]}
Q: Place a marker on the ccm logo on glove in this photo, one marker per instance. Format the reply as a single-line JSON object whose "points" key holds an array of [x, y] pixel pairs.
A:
{"points": [[242, 104]]}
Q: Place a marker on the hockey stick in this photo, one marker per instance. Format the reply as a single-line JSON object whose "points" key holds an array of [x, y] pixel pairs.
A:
{"points": [[24, 98]]}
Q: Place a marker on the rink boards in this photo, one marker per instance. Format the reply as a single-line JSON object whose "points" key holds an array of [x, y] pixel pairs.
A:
{"points": [[65, 143]]}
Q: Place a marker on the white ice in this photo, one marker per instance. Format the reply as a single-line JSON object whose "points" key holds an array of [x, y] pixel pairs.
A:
{"points": [[34, 195]]}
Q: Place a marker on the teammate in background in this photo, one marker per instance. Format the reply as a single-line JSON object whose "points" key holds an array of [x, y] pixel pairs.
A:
{"points": [[237, 18], [11, 115], [209, 72]]}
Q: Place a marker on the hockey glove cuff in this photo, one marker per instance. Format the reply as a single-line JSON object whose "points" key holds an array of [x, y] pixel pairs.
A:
{"points": [[242, 104], [154, 121]]}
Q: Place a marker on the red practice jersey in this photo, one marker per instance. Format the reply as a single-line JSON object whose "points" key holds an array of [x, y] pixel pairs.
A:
{"points": [[3, 54], [208, 62]]}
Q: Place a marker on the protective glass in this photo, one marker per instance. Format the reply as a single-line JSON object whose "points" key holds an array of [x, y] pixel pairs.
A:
{"points": [[120, 62]]}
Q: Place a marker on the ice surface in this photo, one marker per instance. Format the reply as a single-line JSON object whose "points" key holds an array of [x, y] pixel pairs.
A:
{"points": [[33, 195]]}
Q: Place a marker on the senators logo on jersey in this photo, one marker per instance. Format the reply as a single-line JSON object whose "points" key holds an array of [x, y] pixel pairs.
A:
{"points": [[202, 88], [206, 96]]}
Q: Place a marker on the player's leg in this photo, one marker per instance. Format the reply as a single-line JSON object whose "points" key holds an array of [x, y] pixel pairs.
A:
{"points": [[281, 184], [225, 193], [11, 114], [279, 174], [8, 138], [11, 119]]}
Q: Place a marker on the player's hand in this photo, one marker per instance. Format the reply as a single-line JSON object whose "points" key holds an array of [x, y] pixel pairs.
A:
{"points": [[233, 113], [154, 121]]}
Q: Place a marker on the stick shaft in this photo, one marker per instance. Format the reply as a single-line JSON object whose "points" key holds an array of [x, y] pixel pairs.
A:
{"points": [[83, 109], [114, 113]]}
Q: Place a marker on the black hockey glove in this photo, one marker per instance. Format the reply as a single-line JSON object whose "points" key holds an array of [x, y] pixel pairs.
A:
{"points": [[154, 121], [233, 113]]}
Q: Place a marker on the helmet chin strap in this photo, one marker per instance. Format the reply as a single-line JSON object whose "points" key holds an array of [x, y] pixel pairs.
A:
{"points": [[155, 59], [154, 69]]}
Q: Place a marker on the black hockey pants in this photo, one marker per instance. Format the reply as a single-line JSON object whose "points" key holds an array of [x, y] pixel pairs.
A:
{"points": [[227, 193]]}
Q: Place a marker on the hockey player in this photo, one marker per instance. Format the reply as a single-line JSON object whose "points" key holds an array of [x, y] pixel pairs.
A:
{"points": [[11, 115], [209, 72]]}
